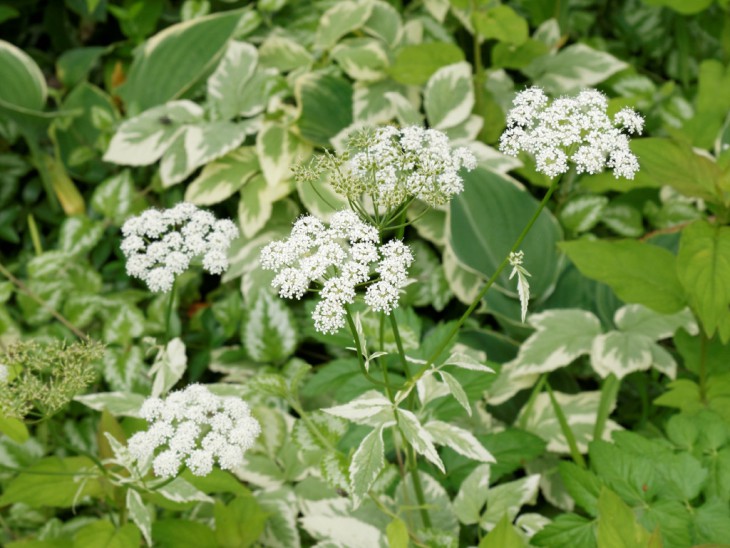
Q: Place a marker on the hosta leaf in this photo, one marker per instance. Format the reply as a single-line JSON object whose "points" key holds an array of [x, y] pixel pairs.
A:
{"points": [[367, 462], [370, 102], [405, 112], [508, 498], [140, 514], [283, 53], [325, 105], [221, 178], [339, 20], [469, 501], [24, 85], [416, 63], [268, 332], [449, 96], [460, 440], [464, 283], [278, 149], [256, 203], [227, 83], [560, 337], [143, 140], [196, 145], [419, 438], [361, 58]]}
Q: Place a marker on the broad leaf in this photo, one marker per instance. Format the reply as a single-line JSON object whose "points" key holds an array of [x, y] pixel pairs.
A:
{"points": [[24, 85], [340, 19], [508, 498], [221, 178], [268, 332], [361, 58], [469, 501], [229, 80], [278, 149], [256, 203], [449, 96]]}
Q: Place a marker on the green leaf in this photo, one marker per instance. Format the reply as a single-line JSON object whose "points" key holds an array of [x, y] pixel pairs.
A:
{"points": [[503, 536], [277, 149], [583, 485], [103, 533], [685, 7], [623, 219], [501, 23], [703, 268], [368, 407], [617, 525], [14, 429], [140, 514], [178, 58], [240, 523], [485, 221], [637, 272], [415, 64], [79, 235], [506, 499], [472, 496], [460, 440], [339, 20], [117, 403], [419, 438], [180, 533], [169, 367], [256, 203], [582, 212], [397, 533], [367, 462], [24, 86], [448, 98], [567, 530], [456, 390], [362, 58], [268, 332], [230, 78], [116, 197], [74, 65], [325, 106], [221, 178]]}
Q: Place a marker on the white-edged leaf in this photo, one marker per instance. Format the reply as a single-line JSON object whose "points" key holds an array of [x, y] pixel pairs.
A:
{"points": [[143, 140], [179, 490], [456, 390], [582, 212], [385, 22], [466, 132], [169, 367], [256, 203], [642, 320], [361, 58], [560, 337], [122, 367], [342, 531], [508, 498], [465, 361], [268, 331], [283, 53], [221, 178], [243, 255], [463, 282], [118, 404], [621, 353], [363, 409], [340, 19], [320, 199], [260, 470], [428, 389], [460, 440], [227, 83], [370, 104], [406, 113], [419, 438], [281, 529], [140, 514], [367, 462], [438, 504], [472, 495], [449, 96], [196, 145], [278, 149]]}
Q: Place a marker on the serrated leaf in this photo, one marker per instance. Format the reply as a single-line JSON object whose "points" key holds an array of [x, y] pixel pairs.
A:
{"points": [[268, 332], [583, 485], [617, 525], [567, 530], [460, 440], [367, 462], [456, 390], [419, 438], [339, 20], [469, 501], [363, 409], [449, 96], [503, 536], [140, 514]]}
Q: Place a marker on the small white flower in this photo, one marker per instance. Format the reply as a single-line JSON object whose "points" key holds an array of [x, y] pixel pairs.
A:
{"points": [[196, 428], [523, 286], [160, 245], [569, 131]]}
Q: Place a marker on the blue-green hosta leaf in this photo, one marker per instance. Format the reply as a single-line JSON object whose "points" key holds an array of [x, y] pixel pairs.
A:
{"points": [[361, 58], [419, 438], [370, 103], [560, 337], [256, 203], [385, 22], [180, 490], [582, 212], [283, 54], [227, 83], [340, 19], [325, 106], [197, 145], [118, 404], [508, 498], [472, 495], [24, 85], [575, 67], [169, 367], [268, 331], [580, 411], [371, 408], [460, 440], [116, 197], [636, 318], [79, 235], [278, 149], [143, 140], [140, 514], [221, 178], [367, 462], [449, 96]]}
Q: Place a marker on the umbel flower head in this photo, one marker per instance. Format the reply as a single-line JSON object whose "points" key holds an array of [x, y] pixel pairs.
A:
{"points": [[194, 428], [573, 130], [160, 245], [340, 257]]}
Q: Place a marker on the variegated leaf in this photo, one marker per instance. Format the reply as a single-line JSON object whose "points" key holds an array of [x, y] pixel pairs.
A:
{"points": [[179, 490], [268, 331], [466, 361], [430, 223], [366, 408], [460, 440], [221, 178], [278, 149], [281, 526], [227, 83], [406, 112], [118, 404], [560, 337], [370, 104], [122, 367], [438, 504], [385, 22], [508, 498], [140, 514], [361, 58], [143, 140], [466, 132], [449, 96], [255, 206], [367, 462], [79, 235], [419, 438], [169, 367], [456, 390], [582, 212], [283, 53], [197, 145], [469, 501], [463, 282], [320, 199], [621, 353], [341, 18], [636, 318]]}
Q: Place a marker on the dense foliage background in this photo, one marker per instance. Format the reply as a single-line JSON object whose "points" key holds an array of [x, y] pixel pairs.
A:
{"points": [[609, 412]]}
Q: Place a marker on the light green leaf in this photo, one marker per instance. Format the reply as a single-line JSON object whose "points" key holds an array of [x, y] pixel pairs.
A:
{"points": [[621, 353], [508, 498], [169, 367], [371, 104], [367, 462], [703, 267], [143, 140], [361, 58], [24, 85], [449, 96], [503, 536], [230, 78], [371, 405], [460, 440], [103, 533], [116, 197], [140, 514], [340, 19], [320, 199], [385, 22], [617, 525], [397, 533], [405, 112], [197, 145], [14, 429], [419, 438], [117, 403], [639, 319], [221, 178], [283, 53], [582, 212], [415, 64], [469, 501], [456, 390], [278, 149], [256, 203], [268, 331], [180, 490], [501, 23], [79, 235]]}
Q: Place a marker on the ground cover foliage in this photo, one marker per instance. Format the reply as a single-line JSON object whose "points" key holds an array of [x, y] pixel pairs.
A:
{"points": [[599, 416]]}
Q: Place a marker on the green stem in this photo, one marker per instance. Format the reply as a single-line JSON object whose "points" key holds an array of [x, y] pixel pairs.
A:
{"points": [[455, 329], [358, 349], [399, 345], [703, 367], [565, 428], [531, 401], [609, 390], [168, 315], [417, 487], [383, 364]]}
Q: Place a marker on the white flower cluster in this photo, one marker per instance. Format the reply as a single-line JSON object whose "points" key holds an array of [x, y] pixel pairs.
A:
{"points": [[411, 162], [340, 257], [571, 130], [195, 428], [159, 245]]}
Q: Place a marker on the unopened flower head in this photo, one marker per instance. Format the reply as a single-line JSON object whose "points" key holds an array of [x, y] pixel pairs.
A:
{"points": [[194, 428], [340, 257], [159, 245], [572, 130], [391, 165]]}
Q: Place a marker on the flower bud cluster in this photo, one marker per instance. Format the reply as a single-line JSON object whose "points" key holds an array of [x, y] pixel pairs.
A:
{"points": [[160, 245], [340, 257], [573, 130], [194, 428]]}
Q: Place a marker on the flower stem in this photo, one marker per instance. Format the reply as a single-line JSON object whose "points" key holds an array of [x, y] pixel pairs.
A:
{"points": [[358, 349], [609, 389], [168, 315], [565, 428]]}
